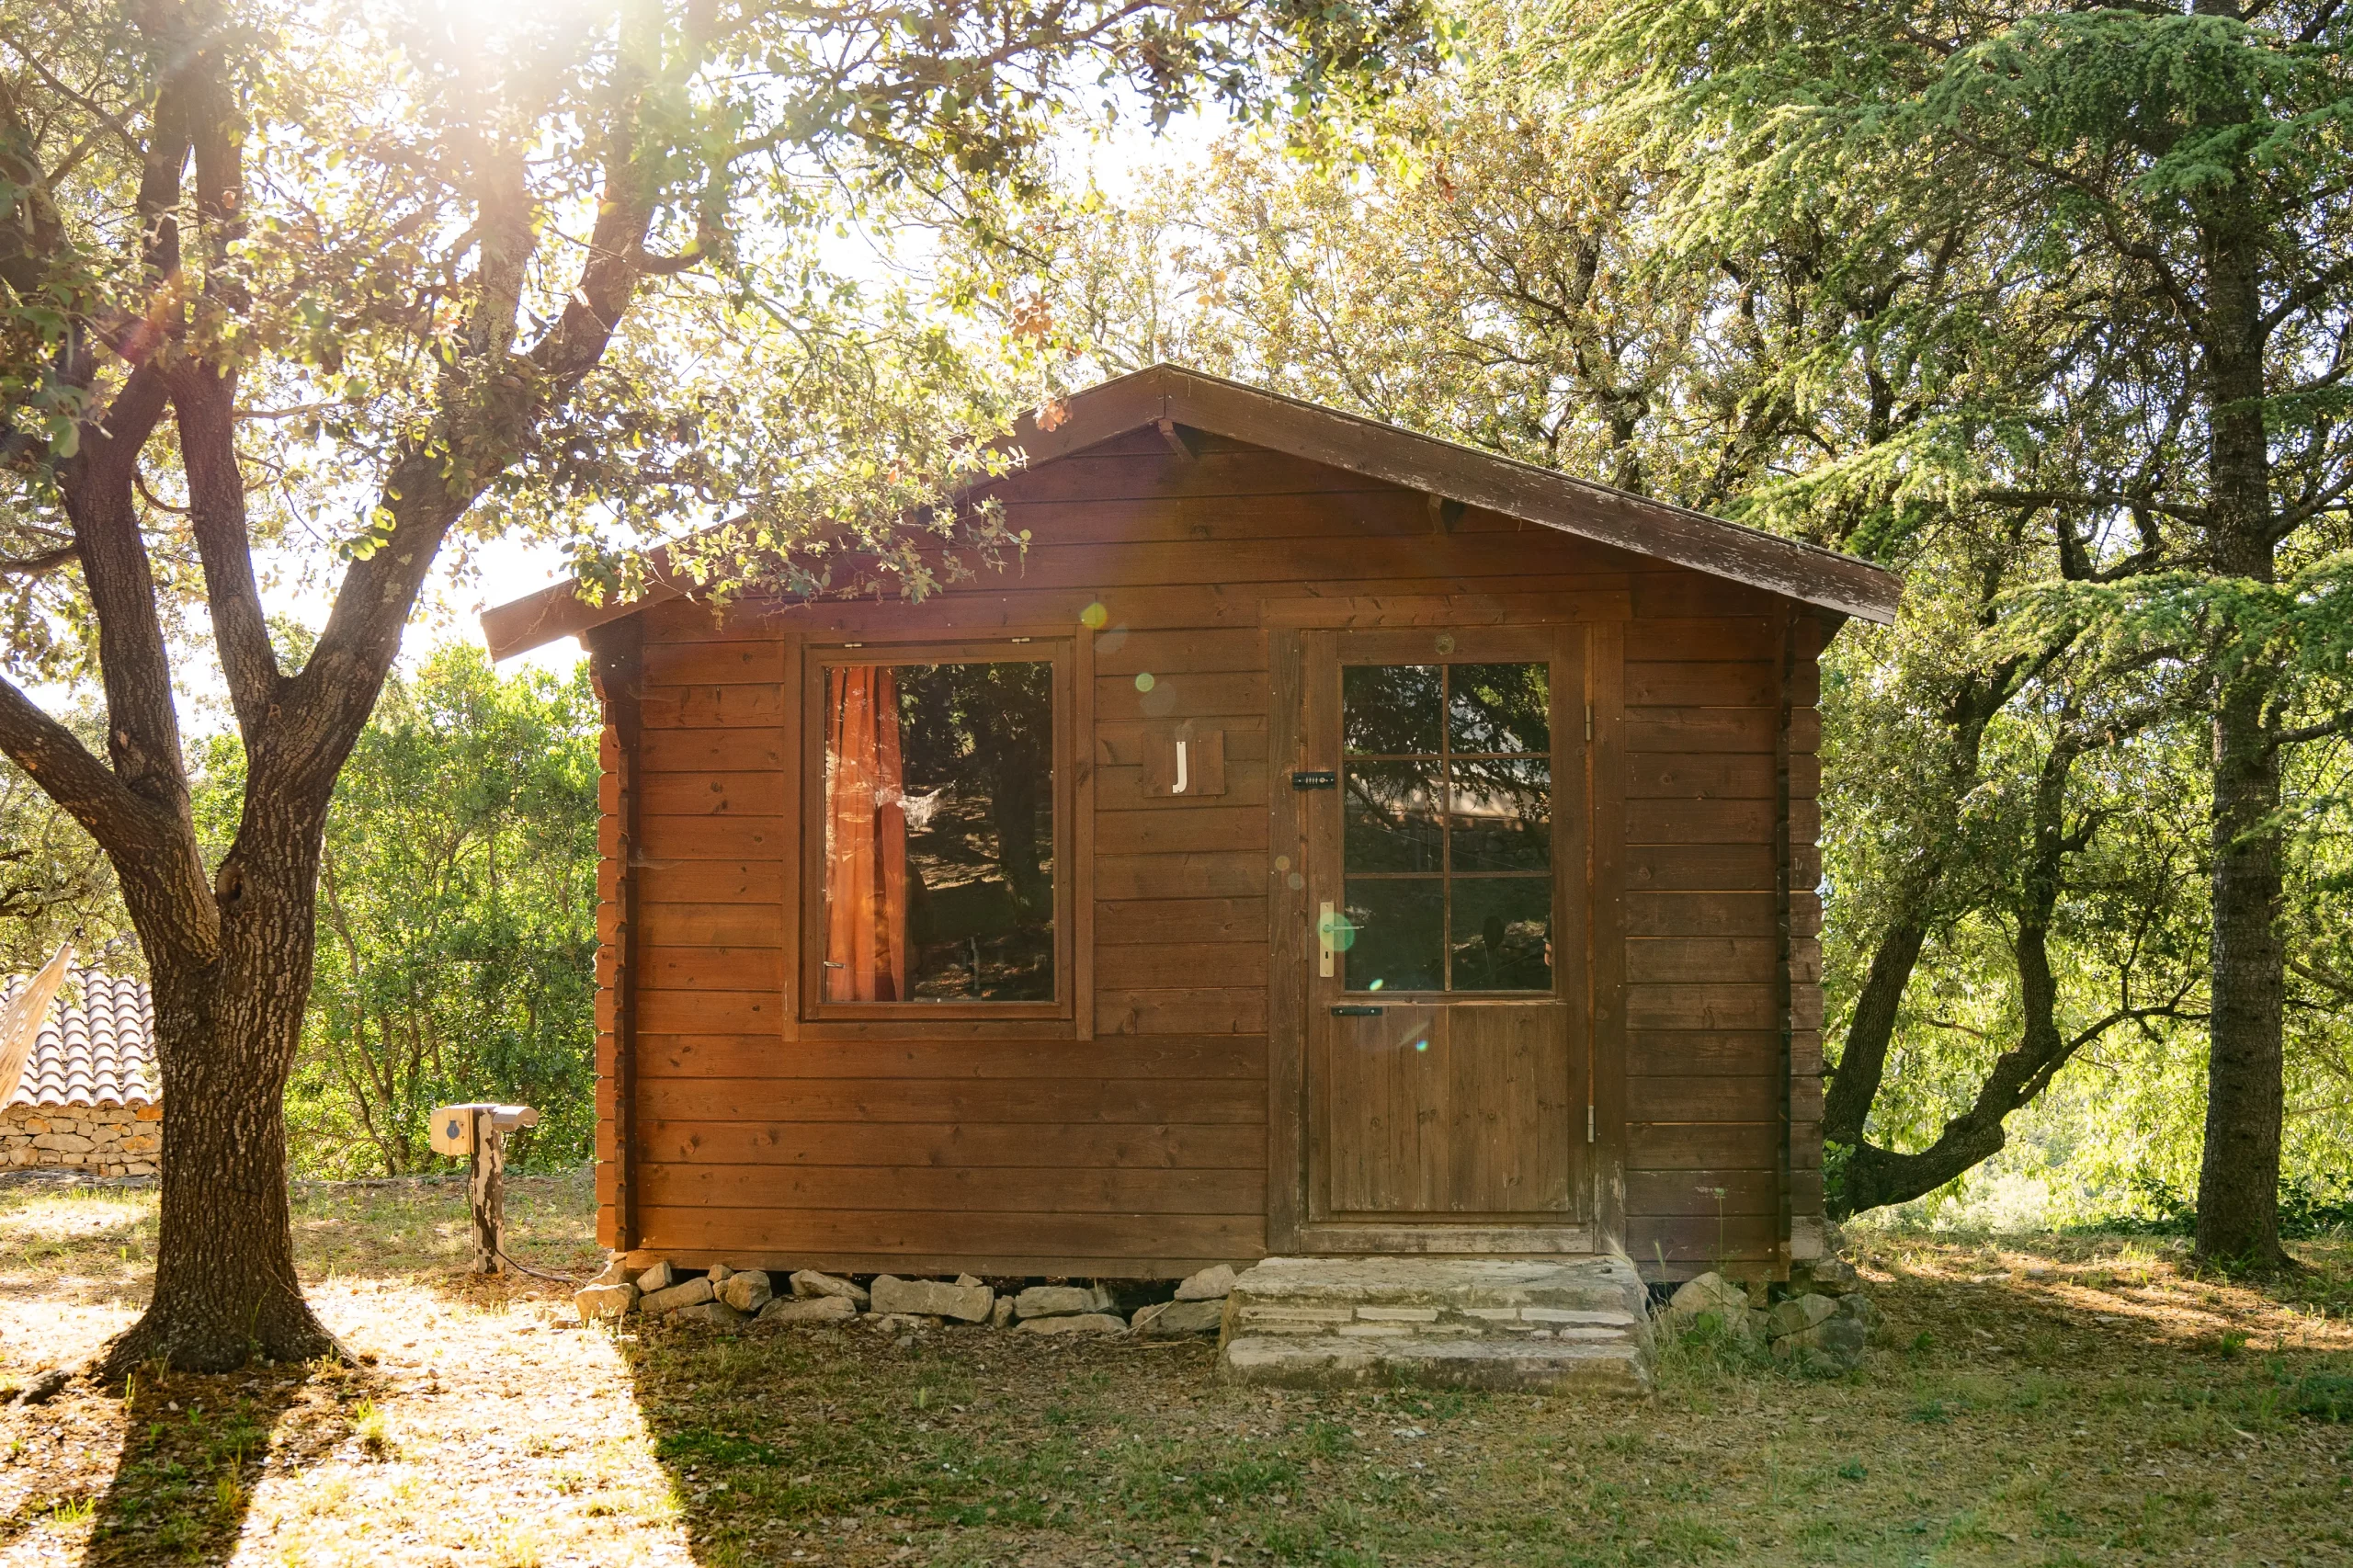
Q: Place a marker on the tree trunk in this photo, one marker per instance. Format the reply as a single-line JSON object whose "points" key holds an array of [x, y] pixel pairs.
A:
{"points": [[2238, 1179], [1873, 1177], [1862, 1064], [225, 1285], [226, 1033]]}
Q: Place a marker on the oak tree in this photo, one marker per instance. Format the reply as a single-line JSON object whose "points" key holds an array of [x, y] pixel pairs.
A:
{"points": [[294, 286]]}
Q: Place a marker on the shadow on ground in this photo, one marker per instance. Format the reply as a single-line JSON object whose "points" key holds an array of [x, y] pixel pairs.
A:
{"points": [[968, 1444], [191, 1451]]}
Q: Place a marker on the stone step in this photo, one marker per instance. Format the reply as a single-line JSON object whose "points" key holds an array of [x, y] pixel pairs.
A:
{"points": [[1611, 1365], [1309, 1295], [1534, 1324]]}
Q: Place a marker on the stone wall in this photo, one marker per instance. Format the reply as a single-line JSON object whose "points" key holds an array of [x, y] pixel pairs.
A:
{"points": [[115, 1141]]}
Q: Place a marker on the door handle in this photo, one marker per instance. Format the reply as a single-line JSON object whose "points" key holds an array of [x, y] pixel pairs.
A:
{"points": [[1353, 1010], [1326, 942]]}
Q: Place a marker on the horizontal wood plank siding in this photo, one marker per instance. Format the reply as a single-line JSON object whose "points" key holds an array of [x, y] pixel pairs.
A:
{"points": [[1704, 944], [1019, 1148]]}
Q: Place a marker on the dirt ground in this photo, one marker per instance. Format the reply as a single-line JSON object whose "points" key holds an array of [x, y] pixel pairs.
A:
{"points": [[2031, 1401]]}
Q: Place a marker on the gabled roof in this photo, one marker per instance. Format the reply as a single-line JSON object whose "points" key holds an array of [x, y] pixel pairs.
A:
{"points": [[1175, 398], [95, 1047]]}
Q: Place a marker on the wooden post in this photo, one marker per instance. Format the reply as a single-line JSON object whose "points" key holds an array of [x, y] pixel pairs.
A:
{"points": [[477, 1133], [489, 1192]]}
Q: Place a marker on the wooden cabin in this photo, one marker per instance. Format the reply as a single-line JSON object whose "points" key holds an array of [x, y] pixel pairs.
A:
{"points": [[1326, 839]]}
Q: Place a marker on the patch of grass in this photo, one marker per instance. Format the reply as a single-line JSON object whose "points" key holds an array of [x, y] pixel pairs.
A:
{"points": [[372, 1425], [698, 1446], [2063, 1438], [2325, 1395]]}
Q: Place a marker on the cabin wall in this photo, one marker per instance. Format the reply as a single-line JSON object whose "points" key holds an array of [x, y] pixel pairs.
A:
{"points": [[1134, 1140]]}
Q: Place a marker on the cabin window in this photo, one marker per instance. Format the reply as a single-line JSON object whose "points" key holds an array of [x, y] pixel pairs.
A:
{"points": [[1447, 842], [940, 865]]}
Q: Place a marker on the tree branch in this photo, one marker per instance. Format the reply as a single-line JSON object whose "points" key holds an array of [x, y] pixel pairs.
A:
{"points": [[205, 404], [34, 238], [143, 727], [68, 774], [487, 415], [2340, 725], [40, 566]]}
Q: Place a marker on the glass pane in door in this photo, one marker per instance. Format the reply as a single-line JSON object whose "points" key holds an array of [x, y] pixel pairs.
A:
{"points": [[1446, 826], [1499, 708], [1395, 936], [1500, 927], [1391, 710], [1392, 822], [1500, 813]]}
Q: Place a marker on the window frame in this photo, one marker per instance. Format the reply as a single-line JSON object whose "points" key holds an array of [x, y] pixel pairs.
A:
{"points": [[1060, 653]]}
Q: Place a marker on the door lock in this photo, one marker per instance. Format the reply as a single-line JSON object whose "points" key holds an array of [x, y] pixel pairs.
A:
{"points": [[1315, 778], [1327, 940]]}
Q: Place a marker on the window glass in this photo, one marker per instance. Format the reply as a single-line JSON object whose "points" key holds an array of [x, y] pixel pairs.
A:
{"points": [[1391, 710], [1393, 817], [1396, 939], [1447, 829], [1498, 926], [939, 833], [1501, 813], [1499, 708]]}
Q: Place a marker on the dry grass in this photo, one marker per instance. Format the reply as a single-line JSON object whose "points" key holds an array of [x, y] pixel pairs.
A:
{"points": [[2052, 1400]]}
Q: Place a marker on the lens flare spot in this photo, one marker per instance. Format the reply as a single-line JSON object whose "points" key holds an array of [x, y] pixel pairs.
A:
{"points": [[1421, 1045], [1094, 616], [1146, 682]]}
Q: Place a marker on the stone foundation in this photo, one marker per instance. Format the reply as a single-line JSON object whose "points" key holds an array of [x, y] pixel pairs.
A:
{"points": [[111, 1141], [889, 1304]]}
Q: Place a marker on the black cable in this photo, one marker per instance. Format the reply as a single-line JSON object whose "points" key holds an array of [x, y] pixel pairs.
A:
{"points": [[500, 1253]]}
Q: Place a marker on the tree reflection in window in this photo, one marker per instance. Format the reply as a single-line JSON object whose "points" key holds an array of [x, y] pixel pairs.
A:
{"points": [[939, 834], [1446, 845]]}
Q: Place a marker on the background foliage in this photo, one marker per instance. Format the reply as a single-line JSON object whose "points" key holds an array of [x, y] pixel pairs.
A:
{"points": [[457, 919], [1529, 255]]}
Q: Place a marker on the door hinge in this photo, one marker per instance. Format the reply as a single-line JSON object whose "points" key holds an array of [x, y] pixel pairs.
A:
{"points": [[1588, 1124], [1588, 721]]}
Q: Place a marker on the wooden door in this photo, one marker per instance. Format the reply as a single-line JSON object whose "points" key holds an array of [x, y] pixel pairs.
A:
{"points": [[1447, 1051]]}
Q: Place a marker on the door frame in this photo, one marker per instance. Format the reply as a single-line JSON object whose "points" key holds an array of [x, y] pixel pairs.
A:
{"points": [[1594, 652]]}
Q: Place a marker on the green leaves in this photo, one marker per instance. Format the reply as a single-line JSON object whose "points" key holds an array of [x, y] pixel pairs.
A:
{"points": [[456, 909]]}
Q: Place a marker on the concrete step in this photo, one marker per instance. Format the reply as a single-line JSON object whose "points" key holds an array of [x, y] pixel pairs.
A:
{"points": [[1483, 1294], [1614, 1365], [1539, 1324]]}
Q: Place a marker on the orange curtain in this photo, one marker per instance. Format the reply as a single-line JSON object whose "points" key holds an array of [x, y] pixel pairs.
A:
{"points": [[866, 838]]}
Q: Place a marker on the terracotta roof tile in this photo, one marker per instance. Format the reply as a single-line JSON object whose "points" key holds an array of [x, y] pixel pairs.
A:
{"points": [[95, 1048]]}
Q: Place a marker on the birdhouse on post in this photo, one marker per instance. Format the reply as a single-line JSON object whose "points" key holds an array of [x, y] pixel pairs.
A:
{"points": [[478, 1132]]}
